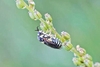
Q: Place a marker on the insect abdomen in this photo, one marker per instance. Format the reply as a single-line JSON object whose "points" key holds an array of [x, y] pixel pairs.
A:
{"points": [[49, 40]]}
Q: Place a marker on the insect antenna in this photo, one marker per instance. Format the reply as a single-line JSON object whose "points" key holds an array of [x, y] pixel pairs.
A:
{"points": [[37, 28]]}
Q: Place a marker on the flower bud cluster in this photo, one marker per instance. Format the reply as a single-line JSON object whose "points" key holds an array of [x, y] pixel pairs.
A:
{"points": [[84, 59], [67, 43], [80, 50], [33, 13]]}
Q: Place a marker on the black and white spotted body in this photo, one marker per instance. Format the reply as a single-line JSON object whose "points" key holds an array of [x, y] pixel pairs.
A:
{"points": [[48, 39]]}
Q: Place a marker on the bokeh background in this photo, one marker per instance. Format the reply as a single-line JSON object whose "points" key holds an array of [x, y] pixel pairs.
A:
{"points": [[19, 46]]}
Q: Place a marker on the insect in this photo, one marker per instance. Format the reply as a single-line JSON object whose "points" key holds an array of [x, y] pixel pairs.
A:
{"points": [[48, 39]]}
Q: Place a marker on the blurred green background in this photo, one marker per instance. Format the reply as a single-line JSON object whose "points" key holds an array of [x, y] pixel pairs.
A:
{"points": [[19, 46]]}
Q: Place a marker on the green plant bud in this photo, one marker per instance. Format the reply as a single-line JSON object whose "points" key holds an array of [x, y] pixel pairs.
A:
{"points": [[68, 46], [80, 59], [65, 35], [37, 14], [81, 51], [49, 24], [87, 56], [48, 17], [20, 4], [88, 63], [97, 64], [43, 27], [32, 16], [31, 4], [76, 61]]}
